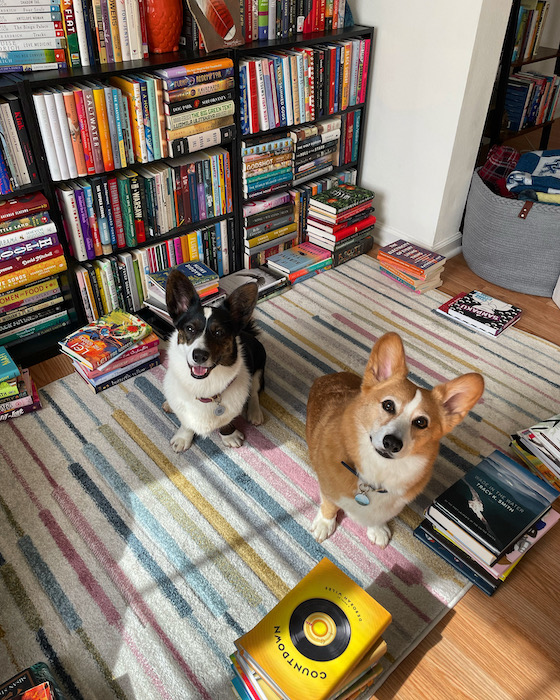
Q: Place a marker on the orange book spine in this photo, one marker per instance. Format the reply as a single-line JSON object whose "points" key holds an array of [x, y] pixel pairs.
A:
{"points": [[12, 280], [185, 248], [75, 133], [401, 265], [103, 126]]}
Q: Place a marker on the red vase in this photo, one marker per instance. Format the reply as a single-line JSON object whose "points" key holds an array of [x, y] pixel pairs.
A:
{"points": [[164, 20]]}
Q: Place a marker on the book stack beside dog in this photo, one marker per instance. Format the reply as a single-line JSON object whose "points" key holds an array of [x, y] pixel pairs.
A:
{"points": [[112, 349], [18, 393], [480, 312], [204, 280], [411, 266], [341, 221], [485, 522], [31, 258], [323, 640], [539, 448], [301, 262]]}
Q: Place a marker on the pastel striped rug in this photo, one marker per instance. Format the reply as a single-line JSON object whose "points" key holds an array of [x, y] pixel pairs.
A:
{"points": [[132, 570]]}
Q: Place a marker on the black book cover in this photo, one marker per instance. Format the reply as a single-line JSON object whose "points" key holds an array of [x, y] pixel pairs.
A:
{"points": [[485, 310], [496, 501]]}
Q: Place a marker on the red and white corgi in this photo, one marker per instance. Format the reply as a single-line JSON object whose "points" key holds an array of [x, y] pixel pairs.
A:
{"points": [[373, 440], [216, 363]]}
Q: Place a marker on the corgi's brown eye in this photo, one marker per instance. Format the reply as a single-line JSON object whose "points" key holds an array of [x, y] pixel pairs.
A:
{"points": [[420, 422], [388, 406]]}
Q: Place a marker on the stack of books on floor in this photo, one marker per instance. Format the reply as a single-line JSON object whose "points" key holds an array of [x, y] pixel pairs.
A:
{"points": [[315, 147], [204, 280], [18, 393], [413, 267], [539, 448], [33, 683], [341, 221], [323, 640], [485, 522], [116, 347], [480, 312], [270, 223], [267, 164], [17, 164], [301, 262], [198, 105], [30, 252]]}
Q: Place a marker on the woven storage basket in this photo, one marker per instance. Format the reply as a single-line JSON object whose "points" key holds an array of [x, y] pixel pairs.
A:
{"points": [[522, 254]]}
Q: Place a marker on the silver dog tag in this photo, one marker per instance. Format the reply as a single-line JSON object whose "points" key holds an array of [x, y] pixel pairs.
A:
{"points": [[219, 410]]}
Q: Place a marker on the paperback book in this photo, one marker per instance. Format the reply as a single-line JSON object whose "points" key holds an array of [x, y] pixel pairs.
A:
{"points": [[484, 312], [411, 258]]}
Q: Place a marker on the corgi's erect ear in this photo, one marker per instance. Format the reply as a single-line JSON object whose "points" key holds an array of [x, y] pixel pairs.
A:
{"points": [[179, 294], [241, 303], [457, 397], [387, 359]]}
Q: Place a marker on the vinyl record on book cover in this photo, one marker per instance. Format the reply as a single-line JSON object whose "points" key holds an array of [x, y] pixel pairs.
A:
{"points": [[319, 629]]}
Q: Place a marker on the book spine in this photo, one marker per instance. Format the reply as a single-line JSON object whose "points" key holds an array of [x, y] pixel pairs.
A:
{"points": [[115, 207], [94, 129], [46, 135], [20, 262], [71, 32], [31, 274], [84, 222], [114, 30], [92, 218], [103, 127]]}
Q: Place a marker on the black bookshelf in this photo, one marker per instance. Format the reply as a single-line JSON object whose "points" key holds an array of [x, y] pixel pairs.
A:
{"points": [[39, 348]]}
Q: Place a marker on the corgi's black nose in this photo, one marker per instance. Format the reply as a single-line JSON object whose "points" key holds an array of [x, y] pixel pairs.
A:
{"points": [[200, 356], [392, 443]]}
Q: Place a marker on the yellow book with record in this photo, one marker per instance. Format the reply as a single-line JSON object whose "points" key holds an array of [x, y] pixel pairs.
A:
{"points": [[316, 635]]}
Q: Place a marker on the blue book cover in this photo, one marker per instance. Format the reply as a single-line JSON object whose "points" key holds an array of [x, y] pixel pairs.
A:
{"points": [[5, 184], [273, 180], [197, 272], [280, 90], [154, 122], [116, 94], [146, 116], [8, 58], [8, 368]]}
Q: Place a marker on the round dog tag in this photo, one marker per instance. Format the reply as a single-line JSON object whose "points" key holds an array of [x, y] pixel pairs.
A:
{"points": [[219, 410], [362, 499]]}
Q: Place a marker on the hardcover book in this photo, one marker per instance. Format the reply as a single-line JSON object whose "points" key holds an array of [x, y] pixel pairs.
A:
{"points": [[326, 624], [492, 505], [485, 312], [8, 368], [341, 198], [543, 440], [108, 336], [202, 277], [298, 257], [22, 206]]}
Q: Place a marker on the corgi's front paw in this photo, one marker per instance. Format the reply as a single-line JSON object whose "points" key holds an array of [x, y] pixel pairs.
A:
{"points": [[234, 439], [182, 440], [379, 535], [322, 528]]}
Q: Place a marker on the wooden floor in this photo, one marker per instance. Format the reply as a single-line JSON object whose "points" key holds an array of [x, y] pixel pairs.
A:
{"points": [[506, 646]]}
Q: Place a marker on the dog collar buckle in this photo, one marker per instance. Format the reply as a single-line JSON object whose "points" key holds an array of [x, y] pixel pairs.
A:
{"points": [[219, 410]]}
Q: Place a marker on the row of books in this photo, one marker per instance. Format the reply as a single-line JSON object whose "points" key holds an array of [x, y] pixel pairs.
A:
{"points": [[323, 640], [30, 251], [480, 312], [294, 86], [17, 163], [486, 521], [124, 209], [121, 280], [300, 262], [341, 221], [18, 393], [411, 266], [115, 347], [531, 99], [530, 24], [271, 208]]}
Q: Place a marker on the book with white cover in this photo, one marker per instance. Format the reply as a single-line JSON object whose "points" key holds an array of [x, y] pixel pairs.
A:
{"points": [[52, 116], [122, 22], [65, 131], [13, 144], [46, 135], [261, 97], [81, 32]]}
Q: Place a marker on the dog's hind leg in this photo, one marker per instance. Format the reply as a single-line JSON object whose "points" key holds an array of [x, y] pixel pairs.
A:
{"points": [[325, 521], [254, 411]]}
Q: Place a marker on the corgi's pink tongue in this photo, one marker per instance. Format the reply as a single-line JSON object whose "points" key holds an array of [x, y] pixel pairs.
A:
{"points": [[199, 371]]}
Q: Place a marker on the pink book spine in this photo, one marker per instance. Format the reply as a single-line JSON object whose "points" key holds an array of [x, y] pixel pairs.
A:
{"points": [[178, 251], [362, 95]]}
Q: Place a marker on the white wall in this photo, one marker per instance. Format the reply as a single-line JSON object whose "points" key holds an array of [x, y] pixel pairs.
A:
{"points": [[434, 65]]}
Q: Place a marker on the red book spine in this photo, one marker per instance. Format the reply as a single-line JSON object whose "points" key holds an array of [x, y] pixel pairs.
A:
{"points": [[34, 258], [362, 93], [143, 27], [248, 21], [84, 131], [350, 230], [117, 212]]}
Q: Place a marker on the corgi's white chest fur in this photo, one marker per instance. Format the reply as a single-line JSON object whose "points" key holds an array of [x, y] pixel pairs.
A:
{"points": [[183, 392]]}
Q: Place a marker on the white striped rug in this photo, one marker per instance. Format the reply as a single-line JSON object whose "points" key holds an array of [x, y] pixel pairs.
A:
{"points": [[132, 570]]}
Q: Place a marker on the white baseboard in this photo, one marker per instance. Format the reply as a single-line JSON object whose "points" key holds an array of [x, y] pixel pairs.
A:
{"points": [[384, 234]]}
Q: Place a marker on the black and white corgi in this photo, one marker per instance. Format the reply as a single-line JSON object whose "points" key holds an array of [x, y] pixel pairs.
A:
{"points": [[216, 363]]}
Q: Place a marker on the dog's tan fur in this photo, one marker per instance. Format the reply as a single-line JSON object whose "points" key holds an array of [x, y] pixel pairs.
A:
{"points": [[346, 418]]}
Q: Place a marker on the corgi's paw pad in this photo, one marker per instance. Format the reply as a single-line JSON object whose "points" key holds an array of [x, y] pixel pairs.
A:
{"points": [[166, 407], [379, 535], [234, 439], [182, 440], [255, 415], [322, 528]]}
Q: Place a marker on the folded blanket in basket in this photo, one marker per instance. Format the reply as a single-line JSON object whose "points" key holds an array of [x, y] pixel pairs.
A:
{"points": [[538, 171]]}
